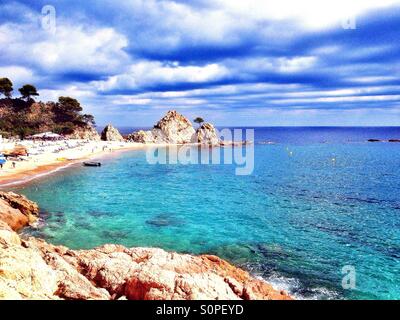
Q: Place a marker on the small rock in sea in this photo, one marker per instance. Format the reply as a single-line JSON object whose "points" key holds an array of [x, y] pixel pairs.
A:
{"points": [[58, 219], [239, 252], [41, 234], [53, 226], [374, 140], [83, 225]]}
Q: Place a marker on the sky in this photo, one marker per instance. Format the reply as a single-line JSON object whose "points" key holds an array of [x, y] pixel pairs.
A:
{"points": [[232, 62]]}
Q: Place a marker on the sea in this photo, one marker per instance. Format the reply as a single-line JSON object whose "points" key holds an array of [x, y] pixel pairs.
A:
{"points": [[319, 216]]}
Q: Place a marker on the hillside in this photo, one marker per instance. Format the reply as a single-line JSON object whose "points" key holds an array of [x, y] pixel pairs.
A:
{"points": [[23, 118]]}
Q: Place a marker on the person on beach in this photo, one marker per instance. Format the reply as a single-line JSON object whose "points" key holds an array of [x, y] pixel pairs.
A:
{"points": [[14, 164]]}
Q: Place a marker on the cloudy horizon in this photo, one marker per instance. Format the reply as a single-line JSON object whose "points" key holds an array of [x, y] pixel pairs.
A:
{"points": [[253, 63]]}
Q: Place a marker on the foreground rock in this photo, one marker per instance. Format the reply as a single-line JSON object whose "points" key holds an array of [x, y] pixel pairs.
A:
{"points": [[17, 211], [33, 269], [111, 134]]}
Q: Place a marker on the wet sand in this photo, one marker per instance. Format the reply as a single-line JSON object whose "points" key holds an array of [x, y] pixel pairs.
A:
{"points": [[29, 170]]}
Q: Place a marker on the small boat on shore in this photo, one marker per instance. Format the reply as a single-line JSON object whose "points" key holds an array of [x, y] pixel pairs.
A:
{"points": [[92, 164]]}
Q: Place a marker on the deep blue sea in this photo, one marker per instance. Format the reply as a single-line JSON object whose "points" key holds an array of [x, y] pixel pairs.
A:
{"points": [[319, 199]]}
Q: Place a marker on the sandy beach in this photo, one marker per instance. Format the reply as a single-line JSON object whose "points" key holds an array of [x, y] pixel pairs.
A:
{"points": [[46, 157]]}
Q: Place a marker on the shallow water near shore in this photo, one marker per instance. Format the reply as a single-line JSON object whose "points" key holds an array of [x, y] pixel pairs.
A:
{"points": [[318, 200]]}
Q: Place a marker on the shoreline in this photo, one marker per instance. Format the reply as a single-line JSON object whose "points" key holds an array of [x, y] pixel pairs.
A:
{"points": [[33, 171]]}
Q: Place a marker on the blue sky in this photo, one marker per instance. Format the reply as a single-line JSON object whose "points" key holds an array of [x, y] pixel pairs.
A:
{"points": [[260, 63]]}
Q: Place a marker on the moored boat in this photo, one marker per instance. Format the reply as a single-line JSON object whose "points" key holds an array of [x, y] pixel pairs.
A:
{"points": [[92, 164]]}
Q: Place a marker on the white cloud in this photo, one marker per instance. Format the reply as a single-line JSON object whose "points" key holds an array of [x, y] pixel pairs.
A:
{"points": [[296, 64], [310, 13], [338, 99], [131, 100], [146, 73], [373, 79], [73, 48], [70, 91], [248, 67], [17, 74], [76, 48]]}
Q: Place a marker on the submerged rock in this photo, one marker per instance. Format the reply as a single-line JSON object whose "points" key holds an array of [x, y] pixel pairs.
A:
{"points": [[111, 134], [33, 269], [115, 235], [98, 213], [163, 220]]}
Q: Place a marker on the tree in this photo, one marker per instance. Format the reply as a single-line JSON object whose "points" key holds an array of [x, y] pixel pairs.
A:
{"points": [[27, 91], [199, 120], [68, 109], [6, 87], [68, 104], [88, 119]]}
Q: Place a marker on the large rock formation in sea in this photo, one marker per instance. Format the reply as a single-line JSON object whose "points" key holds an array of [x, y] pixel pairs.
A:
{"points": [[33, 269], [207, 134], [110, 133], [173, 128]]}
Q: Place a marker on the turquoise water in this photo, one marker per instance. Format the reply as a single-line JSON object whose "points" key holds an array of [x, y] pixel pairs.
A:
{"points": [[296, 221]]}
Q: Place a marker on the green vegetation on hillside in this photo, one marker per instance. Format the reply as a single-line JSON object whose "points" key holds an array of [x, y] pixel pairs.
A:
{"points": [[27, 91], [6, 87], [23, 116]]}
